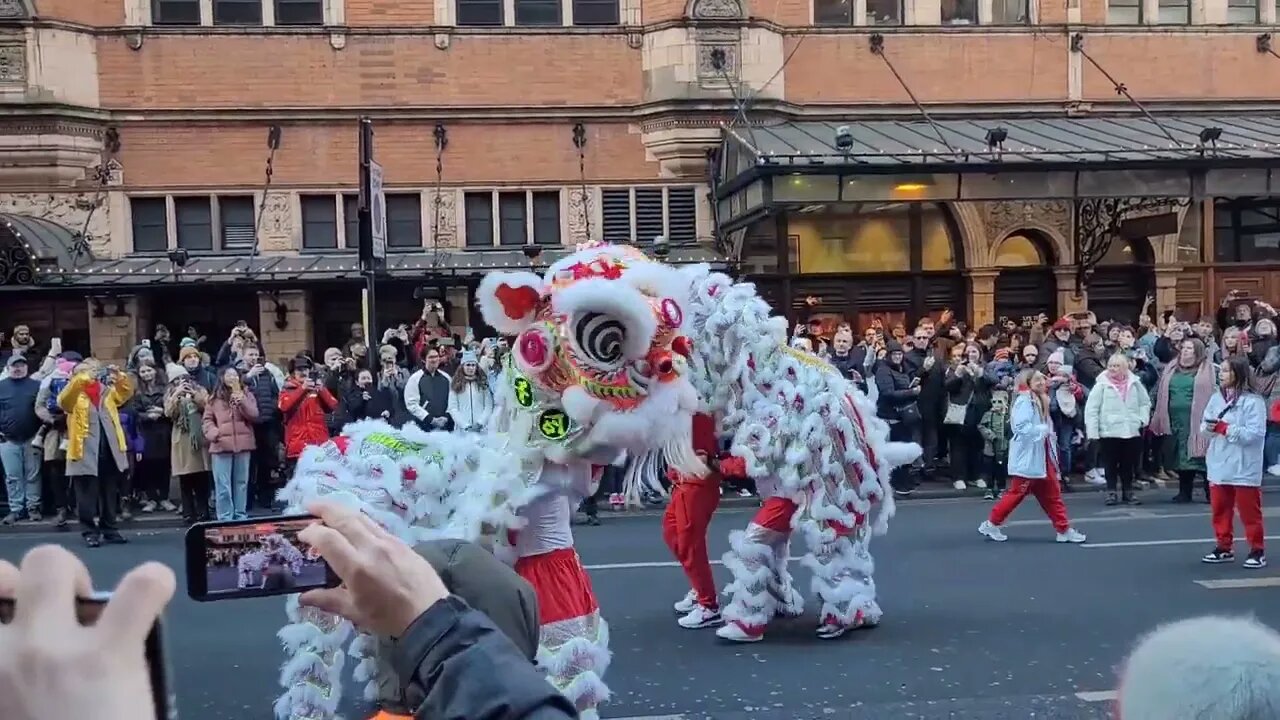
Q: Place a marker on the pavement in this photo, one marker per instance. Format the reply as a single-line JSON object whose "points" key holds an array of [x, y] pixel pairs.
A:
{"points": [[1024, 629]]}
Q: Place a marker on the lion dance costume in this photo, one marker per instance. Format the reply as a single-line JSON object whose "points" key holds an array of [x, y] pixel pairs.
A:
{"points": [[602, 362]]}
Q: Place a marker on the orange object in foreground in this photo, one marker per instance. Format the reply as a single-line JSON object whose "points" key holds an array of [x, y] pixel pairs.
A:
{"points": [[384, 715]]}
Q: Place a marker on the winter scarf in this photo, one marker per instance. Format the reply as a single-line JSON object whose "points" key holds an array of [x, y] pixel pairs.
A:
{"points": [[1204, 383], [191, 422], [1120, 383]]}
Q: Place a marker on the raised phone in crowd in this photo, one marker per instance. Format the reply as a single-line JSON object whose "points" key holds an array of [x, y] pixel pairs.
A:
{"points": [[88, 610], [261, 557]]}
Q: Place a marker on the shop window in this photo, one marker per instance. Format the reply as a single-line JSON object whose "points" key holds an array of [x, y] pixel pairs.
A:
{"points": [[1246, 230], [959, 12], [175, 12], [1243, 12], [479, 13], [150, 224], [319, 222], [478, 208], [299, 12], [237, 12], [193, 218], [537, 12], [236, 217], [1010, 12], [1174, 12], [1124, 12], [852, 240], [595, 12], [1019, 250]]}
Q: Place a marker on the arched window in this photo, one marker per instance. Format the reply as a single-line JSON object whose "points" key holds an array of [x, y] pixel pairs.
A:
{"points": [[1020, 250]]}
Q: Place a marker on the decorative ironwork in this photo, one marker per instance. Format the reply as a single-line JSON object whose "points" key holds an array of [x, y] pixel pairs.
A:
{"points": [[440, 139], [17, 264], [1097, 222]]}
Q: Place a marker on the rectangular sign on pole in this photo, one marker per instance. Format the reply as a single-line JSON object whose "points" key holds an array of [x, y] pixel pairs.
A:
{"points": [[377, 211]]}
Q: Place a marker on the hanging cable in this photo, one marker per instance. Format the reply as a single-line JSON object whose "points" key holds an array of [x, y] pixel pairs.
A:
{"points": [[719, 61], [273, 144], [1263, 43], [877, 48], [580, 142], [1077, 45], [441, 136], [81, 249]]}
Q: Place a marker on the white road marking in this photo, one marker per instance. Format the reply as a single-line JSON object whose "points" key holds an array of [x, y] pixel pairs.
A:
{"points": [[1238, 583], [1097, 696], [1154, 543], [650, 717], [642, 565]]}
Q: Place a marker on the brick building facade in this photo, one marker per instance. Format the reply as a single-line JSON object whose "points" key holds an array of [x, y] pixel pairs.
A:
{"points": [[140, 126]]}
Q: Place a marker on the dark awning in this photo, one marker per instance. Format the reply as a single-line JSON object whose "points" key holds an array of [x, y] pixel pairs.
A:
{"points": [[138, 271], [48, 242], [1183, 155]]}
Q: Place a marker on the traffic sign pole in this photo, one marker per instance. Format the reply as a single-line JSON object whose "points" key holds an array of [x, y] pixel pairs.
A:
{"points": [[372, 216]]}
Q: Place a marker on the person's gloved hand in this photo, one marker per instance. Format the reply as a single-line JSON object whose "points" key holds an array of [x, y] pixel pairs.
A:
{"points": [[385, 584], [51, 666]]}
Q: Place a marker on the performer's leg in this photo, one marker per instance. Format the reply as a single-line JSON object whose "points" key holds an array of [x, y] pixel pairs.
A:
{"points": [[672, 520], [699, 502], [759, 588], [842, 579]]}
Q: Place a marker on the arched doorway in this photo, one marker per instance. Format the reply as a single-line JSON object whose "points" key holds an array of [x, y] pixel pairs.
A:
{"points": [[893, 262], [1026, 286], [1122, 279]]}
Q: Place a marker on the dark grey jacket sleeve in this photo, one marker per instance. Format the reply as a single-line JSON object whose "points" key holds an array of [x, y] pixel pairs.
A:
{"points": [[460, 666]]}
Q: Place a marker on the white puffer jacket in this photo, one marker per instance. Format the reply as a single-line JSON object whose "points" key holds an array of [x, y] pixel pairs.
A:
{"points": [[1109, 415]]}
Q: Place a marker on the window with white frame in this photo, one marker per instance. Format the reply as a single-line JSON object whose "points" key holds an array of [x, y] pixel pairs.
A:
{"points": [[1243, 12], [884, 12], [959, 12], [175, 12], [512, 218], [1173, 12], [193, 219], [237, 222], [535, 13], [1010, 12], [638, 215], [232, 13], [1124, 12], [150, 216]]}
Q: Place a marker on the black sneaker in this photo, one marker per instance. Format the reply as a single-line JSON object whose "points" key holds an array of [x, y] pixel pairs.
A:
{"points": [[1130, 500], [1112, 499], [1256, 560], [1219, 556], [114, 539], [93, 541], [1180, 499]]}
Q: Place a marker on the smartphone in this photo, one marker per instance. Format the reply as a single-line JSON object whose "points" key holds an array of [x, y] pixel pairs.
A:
{"points": [[88, 610], [262, 557]]}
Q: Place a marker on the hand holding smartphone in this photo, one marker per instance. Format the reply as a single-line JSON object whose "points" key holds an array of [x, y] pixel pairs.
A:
{"points": [[253, 558]]}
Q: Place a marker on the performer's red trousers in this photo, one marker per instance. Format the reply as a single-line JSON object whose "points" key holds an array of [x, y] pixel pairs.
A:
{"points": [[1046, 491], [1245, 500], [684, 529]]}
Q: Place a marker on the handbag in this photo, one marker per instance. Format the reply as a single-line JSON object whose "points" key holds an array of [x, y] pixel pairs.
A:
{"points": [[955, 414]]}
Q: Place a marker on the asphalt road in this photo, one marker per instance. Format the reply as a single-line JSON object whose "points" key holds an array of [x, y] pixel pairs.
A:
{"points": [[1024, 629]]}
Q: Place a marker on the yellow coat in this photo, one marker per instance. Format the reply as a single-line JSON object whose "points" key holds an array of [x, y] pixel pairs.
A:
{"points": [[76, 404]]}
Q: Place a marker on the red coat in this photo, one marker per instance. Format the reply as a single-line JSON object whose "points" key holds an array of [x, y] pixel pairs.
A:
{"points": [[304, 412]]}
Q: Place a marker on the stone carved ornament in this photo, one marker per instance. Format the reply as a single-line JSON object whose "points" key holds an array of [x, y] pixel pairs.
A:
{"points": [[13, 64], [446, 215], [579, 213], [711, 41], [277, 222], [1007, 216], [717, 9], [13, 9], [70, 210]]}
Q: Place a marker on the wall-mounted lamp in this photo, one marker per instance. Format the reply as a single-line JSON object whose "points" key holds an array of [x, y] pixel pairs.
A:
{"points": [[179, 257], [532, 252], [996, 137], [120, 309], [98, 310]]}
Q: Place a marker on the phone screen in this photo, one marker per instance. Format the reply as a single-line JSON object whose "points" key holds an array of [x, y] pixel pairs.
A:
{"points": [[253, 558], [88, 610]]}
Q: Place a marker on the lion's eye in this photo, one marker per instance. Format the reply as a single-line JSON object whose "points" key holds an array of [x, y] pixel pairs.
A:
{"points": [[599, 338]]}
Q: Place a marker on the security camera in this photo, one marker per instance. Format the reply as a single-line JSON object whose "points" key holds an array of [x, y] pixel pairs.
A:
{"points": [[844, 139]]}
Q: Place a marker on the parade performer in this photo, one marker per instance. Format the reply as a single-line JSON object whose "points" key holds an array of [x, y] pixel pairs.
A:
{"points": [[693, 501], [817, 452], [601, 362]]}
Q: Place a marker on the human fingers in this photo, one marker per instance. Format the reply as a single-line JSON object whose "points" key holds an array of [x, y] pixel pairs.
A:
{"points": [[337, 601], [50, 580], [136, 604], [345, 520], [8, 580], [333, 547]]}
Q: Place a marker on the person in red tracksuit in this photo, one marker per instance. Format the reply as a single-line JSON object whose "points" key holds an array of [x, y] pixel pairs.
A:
{"points": [[684, 527], [304, 401]]}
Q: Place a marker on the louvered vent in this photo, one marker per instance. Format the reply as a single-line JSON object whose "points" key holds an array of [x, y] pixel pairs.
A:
{"points": [[615, 211], [682, 215], [649, 214], [237, 215]]}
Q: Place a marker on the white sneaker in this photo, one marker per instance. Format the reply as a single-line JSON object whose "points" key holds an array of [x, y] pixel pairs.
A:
{"points": [[992, 532], [959, 485], [687, 604], [980, 484], [1072, 535], [1095, 477], [148, 507], [700, 617], [1274, 469], [168, 506], [734, 632]]}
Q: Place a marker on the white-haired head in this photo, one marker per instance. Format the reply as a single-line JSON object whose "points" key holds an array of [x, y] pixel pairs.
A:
{"points": [[1205, 668]]}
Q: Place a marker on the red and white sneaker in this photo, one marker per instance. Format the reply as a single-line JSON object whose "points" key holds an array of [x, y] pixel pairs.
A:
{"points": [[617, 501], [737, 633]]}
